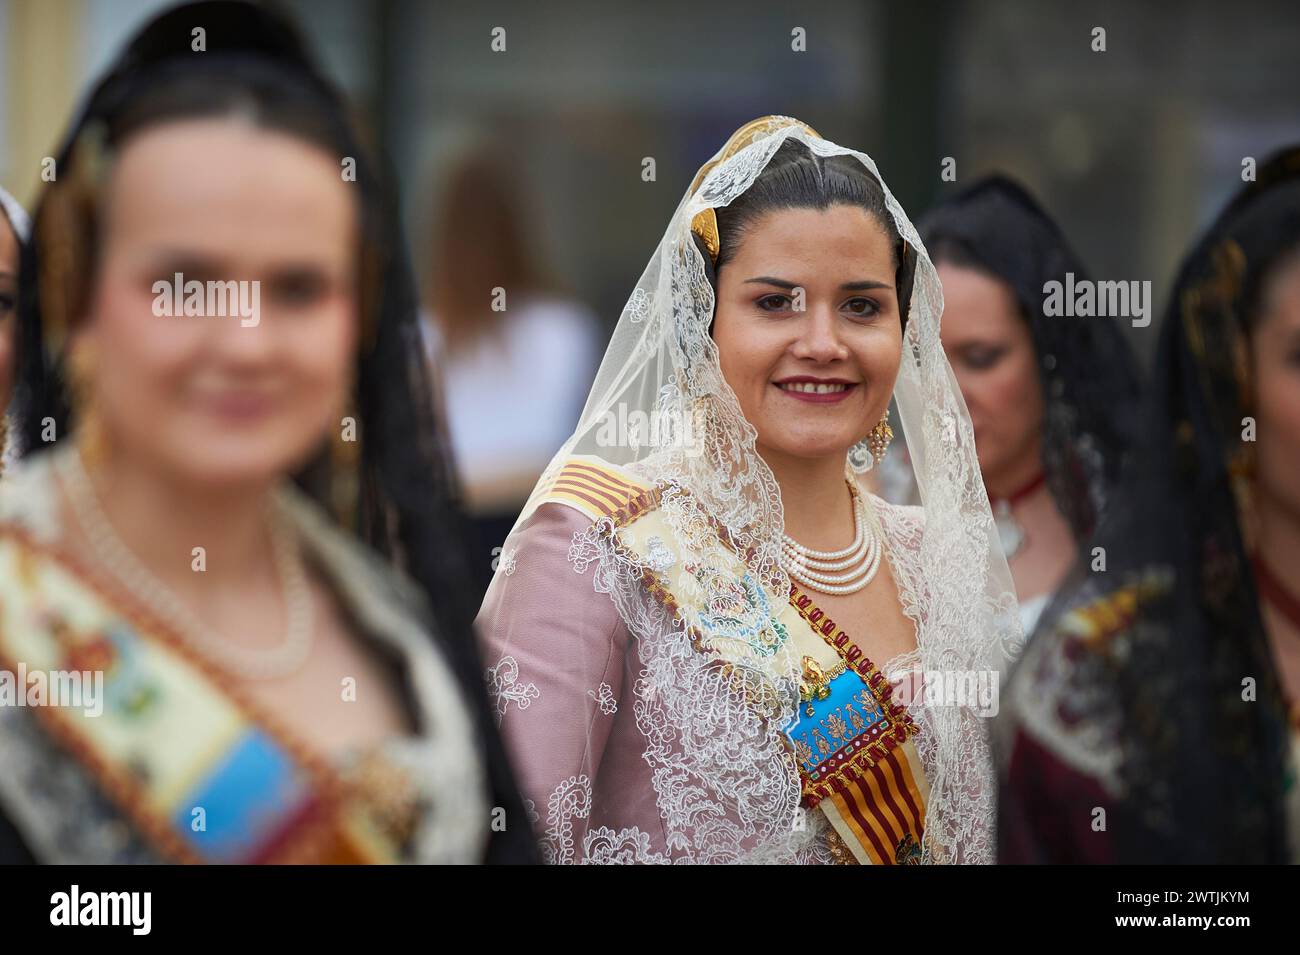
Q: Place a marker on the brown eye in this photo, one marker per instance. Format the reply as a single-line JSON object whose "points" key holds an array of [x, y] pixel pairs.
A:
{"points": [[297, 288], [862, 307], [774, 303]]}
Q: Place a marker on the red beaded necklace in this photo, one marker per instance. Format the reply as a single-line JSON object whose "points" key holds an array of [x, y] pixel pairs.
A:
{"points": [[1014, 498], [1010, 533]]}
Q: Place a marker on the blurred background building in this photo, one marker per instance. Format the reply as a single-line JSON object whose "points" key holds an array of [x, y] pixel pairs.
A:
{"points": [[1132, 148]]}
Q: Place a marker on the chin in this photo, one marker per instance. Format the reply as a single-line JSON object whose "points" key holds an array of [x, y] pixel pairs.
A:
{"points": [[240, 460], [232, 474], [813, 447]]}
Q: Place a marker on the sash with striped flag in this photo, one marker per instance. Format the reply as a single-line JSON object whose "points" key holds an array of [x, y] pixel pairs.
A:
{"points": [[200, 772], [856, 757]]}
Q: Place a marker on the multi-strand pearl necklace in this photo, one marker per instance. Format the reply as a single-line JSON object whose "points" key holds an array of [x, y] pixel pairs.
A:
{"points": [[114, 555], [836, 572]]}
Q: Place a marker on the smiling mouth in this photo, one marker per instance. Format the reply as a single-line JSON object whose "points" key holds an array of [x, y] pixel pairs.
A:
{"points": [[813, 388], [819, 392]]}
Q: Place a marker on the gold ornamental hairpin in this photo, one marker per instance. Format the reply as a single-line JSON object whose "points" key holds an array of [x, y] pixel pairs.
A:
{"points": [[705, 222]]}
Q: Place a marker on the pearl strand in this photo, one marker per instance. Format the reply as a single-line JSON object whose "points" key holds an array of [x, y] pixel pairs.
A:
{"points": [[859, 536], [113, 553], [848, 583], [825, 566], [815, 570]]}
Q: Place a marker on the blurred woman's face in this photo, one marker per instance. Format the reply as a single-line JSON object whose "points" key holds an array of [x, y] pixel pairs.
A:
{"points": [[991, 351], [811, 379], [8, 307], [215, 399], [1276, 361]]}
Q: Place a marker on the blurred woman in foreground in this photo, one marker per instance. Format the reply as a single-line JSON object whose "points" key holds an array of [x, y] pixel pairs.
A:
{"points": [[214, 298]]}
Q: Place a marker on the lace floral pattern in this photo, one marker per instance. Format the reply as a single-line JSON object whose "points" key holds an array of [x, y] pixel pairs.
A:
{"points": [[604, 697], [600, 846], [505, 687]]}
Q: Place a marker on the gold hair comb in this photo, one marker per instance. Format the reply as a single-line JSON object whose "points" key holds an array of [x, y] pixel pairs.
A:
{"points": [[705, 222]]}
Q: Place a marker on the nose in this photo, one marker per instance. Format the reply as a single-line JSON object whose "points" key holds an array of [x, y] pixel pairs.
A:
{"points": [[819, 336], [243, 346]]}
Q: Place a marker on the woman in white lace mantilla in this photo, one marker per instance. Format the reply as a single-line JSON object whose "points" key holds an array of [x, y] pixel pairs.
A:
{"points": [[707, 641]]}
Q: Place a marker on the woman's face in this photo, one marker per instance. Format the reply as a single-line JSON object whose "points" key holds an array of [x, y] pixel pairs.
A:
{"points": [[8, 307], [1276, 361], [991, 351], [231, 399], [812, 380]]}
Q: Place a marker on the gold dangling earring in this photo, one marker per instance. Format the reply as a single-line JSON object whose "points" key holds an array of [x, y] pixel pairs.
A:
{"points": [[868, 452], [880, 436], [88, 429]]}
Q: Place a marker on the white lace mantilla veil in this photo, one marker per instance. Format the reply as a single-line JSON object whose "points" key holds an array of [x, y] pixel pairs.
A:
{"points": [[726, 784]]}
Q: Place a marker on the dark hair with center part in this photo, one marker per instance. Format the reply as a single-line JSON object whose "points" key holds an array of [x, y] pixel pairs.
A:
{"points": [[796, 178]]}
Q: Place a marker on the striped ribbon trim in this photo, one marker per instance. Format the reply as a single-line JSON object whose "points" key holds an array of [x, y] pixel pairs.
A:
{"points": [[595, 490]]}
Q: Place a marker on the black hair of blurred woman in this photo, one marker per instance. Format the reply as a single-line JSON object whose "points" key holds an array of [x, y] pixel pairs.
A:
{"points": [[797, 178], [1203, 770], [1090, 379], [257, 67]]}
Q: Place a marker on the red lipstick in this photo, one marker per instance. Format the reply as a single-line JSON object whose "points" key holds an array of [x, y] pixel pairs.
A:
{"points": [[813, 390]]}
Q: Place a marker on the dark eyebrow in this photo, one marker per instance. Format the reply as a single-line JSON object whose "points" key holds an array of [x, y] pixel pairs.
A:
{"points": [[181, 260], [863, 286], [205, 265]]}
